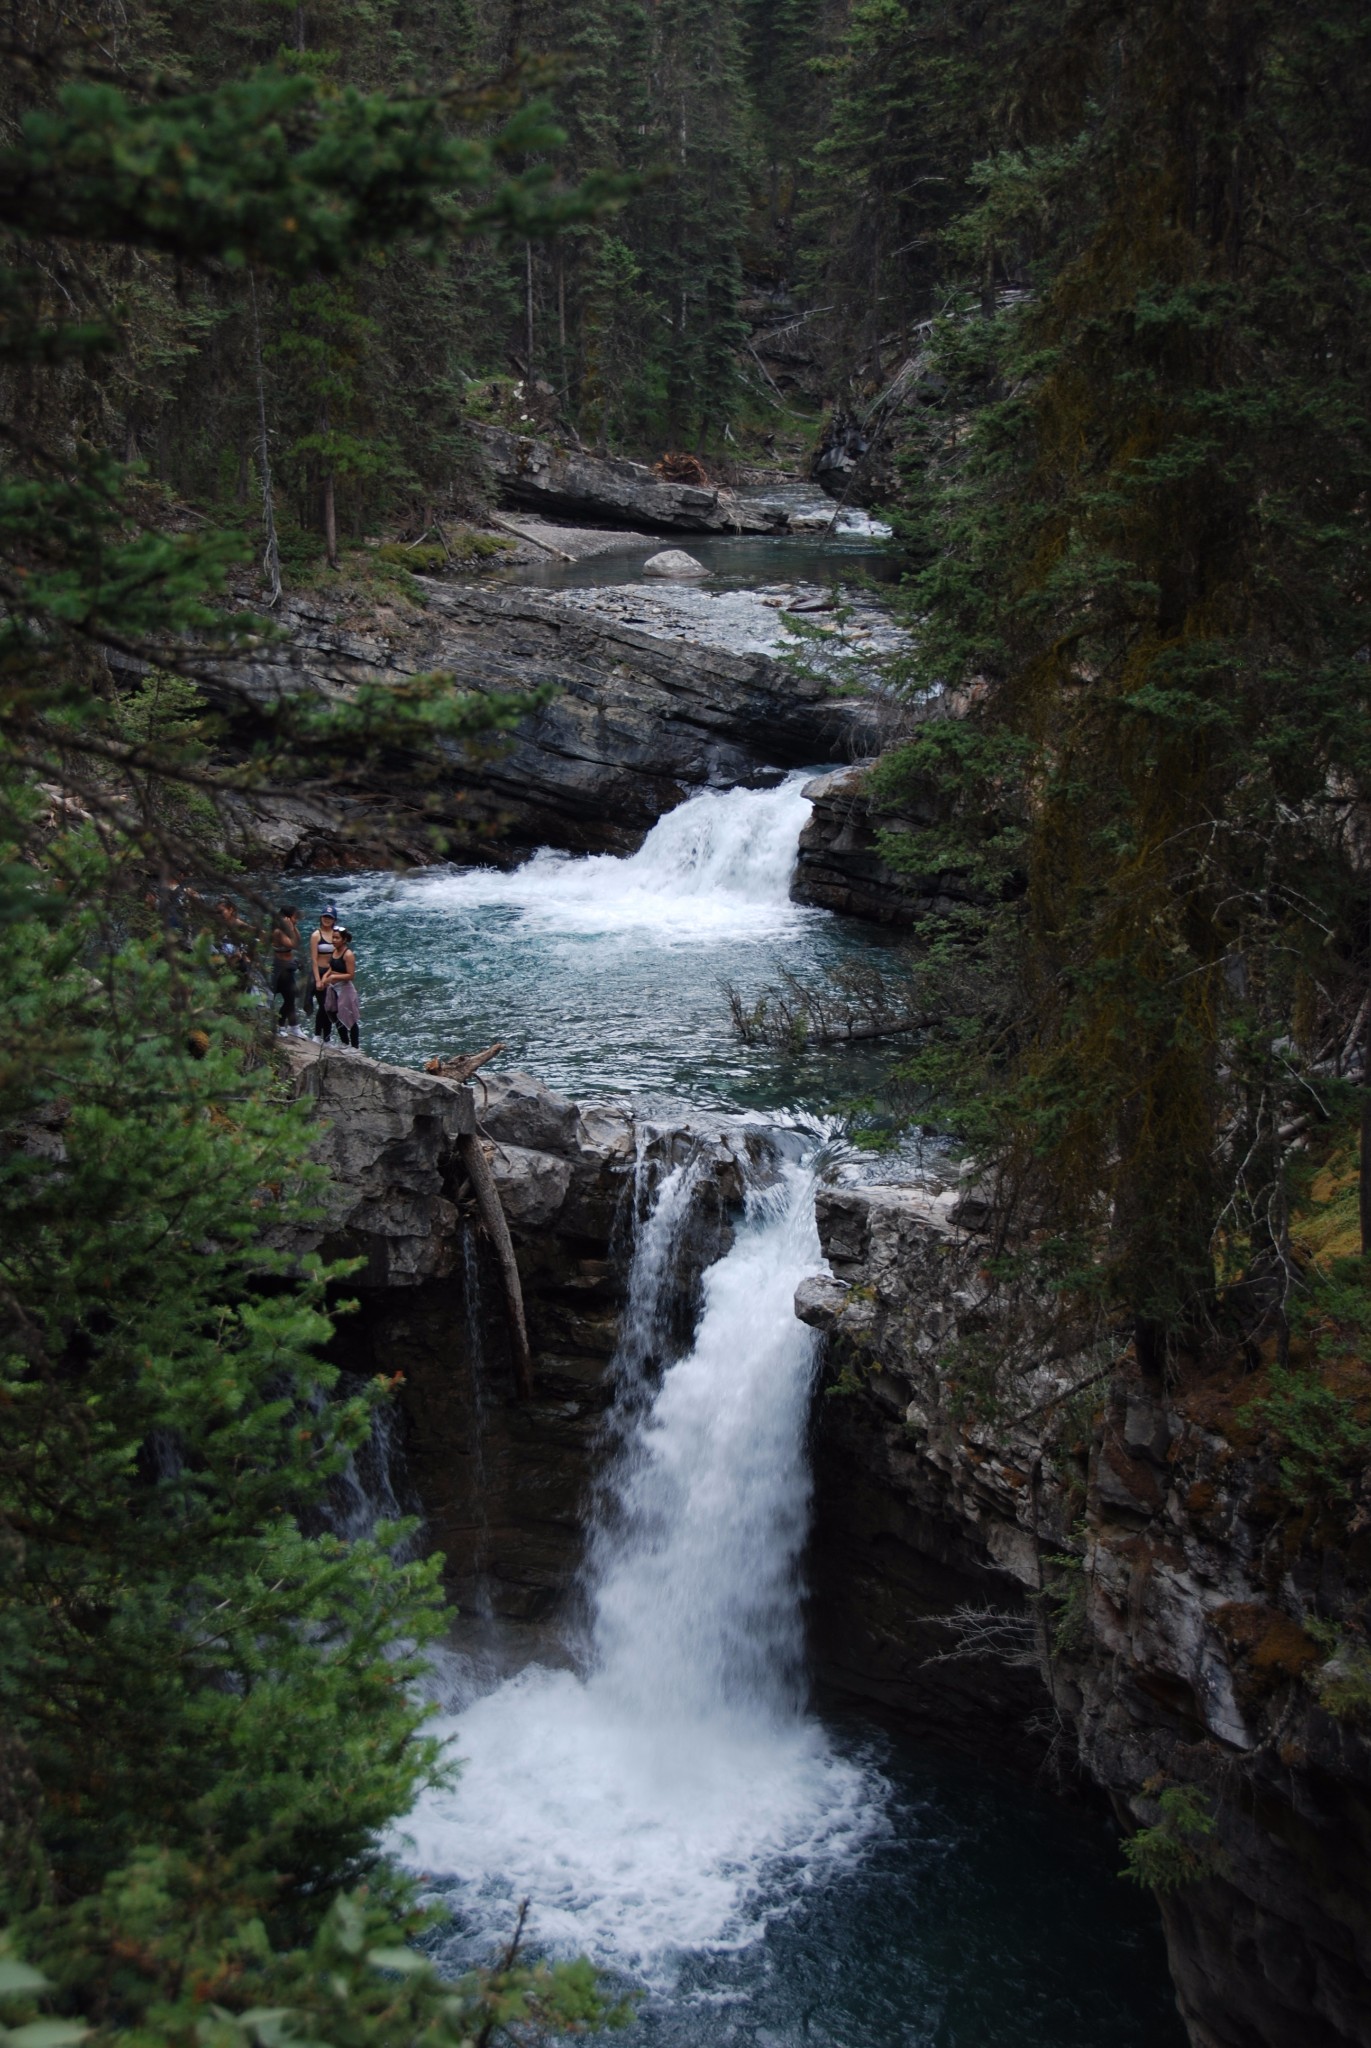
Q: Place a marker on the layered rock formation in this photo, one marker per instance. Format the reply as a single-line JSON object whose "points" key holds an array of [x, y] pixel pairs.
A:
{"points": [[504, 1484], [640, 719], [1140, 1591], [840, 865], [548, 477]]}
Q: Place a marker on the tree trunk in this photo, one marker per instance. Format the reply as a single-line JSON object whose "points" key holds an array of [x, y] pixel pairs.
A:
{"points": [[1364, 1190], [329, 498], [528, 310], [330, 520], [271, 553], [497, 1230]]}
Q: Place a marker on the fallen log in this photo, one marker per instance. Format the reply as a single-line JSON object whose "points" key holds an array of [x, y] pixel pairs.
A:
{"points": [[497, 1230], [462, 1066]]}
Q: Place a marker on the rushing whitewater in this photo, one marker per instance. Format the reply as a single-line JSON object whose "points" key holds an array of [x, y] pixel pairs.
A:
{"points": [[671, 1797], [719, 863]]}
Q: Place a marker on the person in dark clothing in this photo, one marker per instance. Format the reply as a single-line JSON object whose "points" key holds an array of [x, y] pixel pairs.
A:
{"points": [[285, 939]]}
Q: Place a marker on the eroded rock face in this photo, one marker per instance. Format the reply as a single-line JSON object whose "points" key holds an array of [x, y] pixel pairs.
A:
{"points": [[504, 1485], [1180, 1652], [551, 478], [640, 720], [840, 867]]}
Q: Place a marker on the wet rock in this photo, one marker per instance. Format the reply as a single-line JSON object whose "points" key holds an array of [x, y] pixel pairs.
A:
{"points": [[821, 1301], [673, 562], [532, 1186], [389, 1144], [840, 866], [548, 477], [515, 1109]]}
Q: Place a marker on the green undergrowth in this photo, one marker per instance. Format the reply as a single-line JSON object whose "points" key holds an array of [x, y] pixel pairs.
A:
{"points": [[1315, 1404]]}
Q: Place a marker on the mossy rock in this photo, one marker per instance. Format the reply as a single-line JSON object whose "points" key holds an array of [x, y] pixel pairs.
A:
{"points": [[479, 547], [427, 559]]}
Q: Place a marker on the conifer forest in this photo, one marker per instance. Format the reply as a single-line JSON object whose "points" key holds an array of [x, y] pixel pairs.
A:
{"points": [[685, 1023]]}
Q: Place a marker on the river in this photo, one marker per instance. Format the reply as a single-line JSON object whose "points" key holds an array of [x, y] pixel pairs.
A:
{"points": [[764, 1871]]}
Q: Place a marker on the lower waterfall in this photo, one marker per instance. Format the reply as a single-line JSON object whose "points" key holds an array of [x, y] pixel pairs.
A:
{"points": [[668, 1798]]}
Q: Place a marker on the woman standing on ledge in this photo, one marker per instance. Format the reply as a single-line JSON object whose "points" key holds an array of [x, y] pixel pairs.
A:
{"points": [[340, 993], [321, 942]]}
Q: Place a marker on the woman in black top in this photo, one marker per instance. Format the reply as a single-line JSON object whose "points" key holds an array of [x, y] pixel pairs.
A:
{"points": [[285, 937]]}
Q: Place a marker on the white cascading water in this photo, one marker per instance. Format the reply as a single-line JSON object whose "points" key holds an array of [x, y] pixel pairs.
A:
{"points": [[656, 1804], [720, 862]]}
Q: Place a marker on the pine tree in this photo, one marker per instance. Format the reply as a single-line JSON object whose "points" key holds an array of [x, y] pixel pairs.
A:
{"points": [[1144, 563]]}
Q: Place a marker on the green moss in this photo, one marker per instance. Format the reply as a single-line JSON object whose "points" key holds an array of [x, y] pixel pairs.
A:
{"points": [[426, 558]]}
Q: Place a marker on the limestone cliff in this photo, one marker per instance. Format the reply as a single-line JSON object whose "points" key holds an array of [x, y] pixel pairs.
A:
{"points": [[1144, 1597], [504, 1484], [637, 720]]}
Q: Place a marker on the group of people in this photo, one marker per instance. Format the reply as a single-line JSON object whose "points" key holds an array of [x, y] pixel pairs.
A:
{"points": [[331, 991]]}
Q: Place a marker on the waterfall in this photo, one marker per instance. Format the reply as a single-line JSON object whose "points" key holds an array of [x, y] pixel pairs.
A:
{"points": [[651, 1805], [366, 1492], [694, 1587], [720, 862]]}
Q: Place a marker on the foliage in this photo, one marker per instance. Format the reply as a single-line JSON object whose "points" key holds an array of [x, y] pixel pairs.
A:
{"points": [[1069, 1597], [1177, 1849], [207, 1716], [1135, 532], [356, 1983], [1342, 1682], [1320, 1432]]}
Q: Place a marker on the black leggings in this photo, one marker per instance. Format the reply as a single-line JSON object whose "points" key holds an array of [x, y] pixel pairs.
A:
{"points": [[324, 1021], [283, 985]]}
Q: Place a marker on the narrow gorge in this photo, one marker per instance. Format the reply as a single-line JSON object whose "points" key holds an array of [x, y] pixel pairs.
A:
{"points": [[752, 1619]]}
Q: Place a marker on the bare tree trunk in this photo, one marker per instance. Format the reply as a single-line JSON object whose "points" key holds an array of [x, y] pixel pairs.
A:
{"points": [[299, 27], [330, 498], [1364, 1191], [497, 1230], [528, 309], [562, 310], [271, 553]]}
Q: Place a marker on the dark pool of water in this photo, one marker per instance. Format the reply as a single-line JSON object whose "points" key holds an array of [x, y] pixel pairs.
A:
{"points": [[989, 1914]]}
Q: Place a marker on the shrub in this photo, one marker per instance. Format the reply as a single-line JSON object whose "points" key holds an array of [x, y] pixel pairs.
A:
{"points": [[1177, 1849]]}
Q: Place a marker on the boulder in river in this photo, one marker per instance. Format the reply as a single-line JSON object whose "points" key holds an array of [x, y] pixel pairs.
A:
{"points": [[673, 562]]}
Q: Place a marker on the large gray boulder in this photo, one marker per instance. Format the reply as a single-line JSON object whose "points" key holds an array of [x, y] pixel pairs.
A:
{"points": [[674, 562]]}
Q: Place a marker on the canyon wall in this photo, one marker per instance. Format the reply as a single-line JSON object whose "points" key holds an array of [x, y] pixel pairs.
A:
{"points": [[1146, 1600]]}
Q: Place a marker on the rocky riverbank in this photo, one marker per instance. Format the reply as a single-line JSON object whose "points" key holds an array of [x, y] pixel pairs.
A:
{"points": [[1103, 1573]]}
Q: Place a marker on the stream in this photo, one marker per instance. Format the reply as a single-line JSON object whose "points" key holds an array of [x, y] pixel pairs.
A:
{"points": [[757, 1870]]}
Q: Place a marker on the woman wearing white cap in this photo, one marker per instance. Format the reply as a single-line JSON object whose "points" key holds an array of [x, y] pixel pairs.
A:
{"points": [[321, 949]]}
